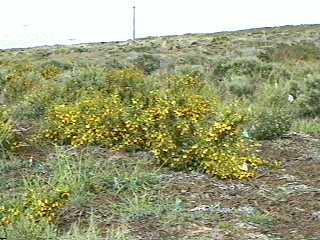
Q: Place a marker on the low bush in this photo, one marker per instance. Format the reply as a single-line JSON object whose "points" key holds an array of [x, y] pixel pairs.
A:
{"points": [[300, 51], [252, 68], [270, 124], [309, 99], [272, 113], [128, 83], [220, 39], [50, 72], [183, 129], [82, 81], [89, 80], [241, 66]]}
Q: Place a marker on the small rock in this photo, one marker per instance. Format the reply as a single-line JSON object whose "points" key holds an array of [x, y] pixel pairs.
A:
{"points": [[213, 209], [316, 216], [247, 211], [202, 208]]}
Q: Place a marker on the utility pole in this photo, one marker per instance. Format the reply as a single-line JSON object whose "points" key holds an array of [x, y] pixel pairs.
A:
{"points": [[134, 22]]}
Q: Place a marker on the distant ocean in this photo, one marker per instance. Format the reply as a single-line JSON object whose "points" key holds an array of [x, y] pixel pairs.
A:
{"points": [[25, 39], [27, 43]]}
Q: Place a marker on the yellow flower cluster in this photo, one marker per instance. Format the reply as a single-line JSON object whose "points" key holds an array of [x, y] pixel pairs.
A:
{"points": [[192, 81], [50, 72], [45, 208], [8, 215], [34, 208], [88, 122]]}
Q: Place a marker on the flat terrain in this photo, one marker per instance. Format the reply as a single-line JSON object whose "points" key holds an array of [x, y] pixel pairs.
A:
{"points": [[128, 195]]}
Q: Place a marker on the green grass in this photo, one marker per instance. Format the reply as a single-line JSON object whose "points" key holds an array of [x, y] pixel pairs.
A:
{"points": [[261, 219], [307, 126]]}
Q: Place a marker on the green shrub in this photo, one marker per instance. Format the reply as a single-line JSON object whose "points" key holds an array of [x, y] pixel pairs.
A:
{"points": [[87, 81], [57, 64], [273, 96], [249, 67], [88, 78], [309, 100], [241, 66], [220, 39], [270, 124], [193, 58], [272, 114]]}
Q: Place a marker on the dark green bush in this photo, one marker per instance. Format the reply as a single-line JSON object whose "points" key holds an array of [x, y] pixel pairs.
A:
{"points": [[220, 39], [250, 67], [309, 100], [272, 113], [241, 66]]}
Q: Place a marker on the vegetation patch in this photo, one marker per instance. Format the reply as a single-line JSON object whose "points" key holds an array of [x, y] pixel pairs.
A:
{"points": [[182, 137]]}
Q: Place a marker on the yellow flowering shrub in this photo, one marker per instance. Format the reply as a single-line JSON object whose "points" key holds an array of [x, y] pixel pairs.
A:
{"points": [[198, 140], [182, 128], [17, 81]]}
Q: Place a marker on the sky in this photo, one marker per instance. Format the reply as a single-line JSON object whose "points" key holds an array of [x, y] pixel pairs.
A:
{"points": [[26, 23]]}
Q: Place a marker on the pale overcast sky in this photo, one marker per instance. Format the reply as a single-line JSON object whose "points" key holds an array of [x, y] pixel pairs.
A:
{"points": [[37, 22]]}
